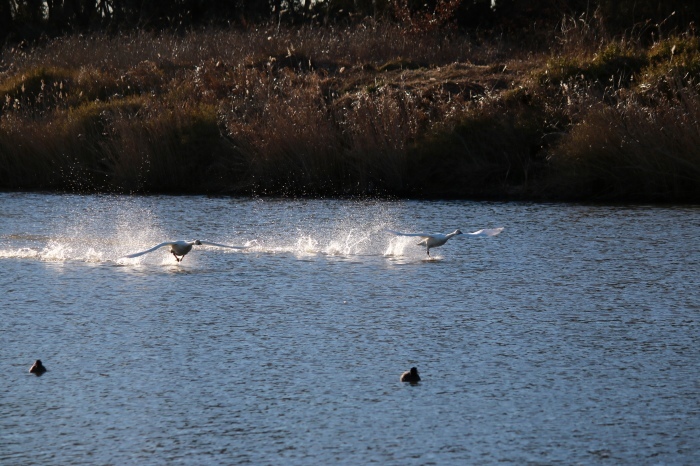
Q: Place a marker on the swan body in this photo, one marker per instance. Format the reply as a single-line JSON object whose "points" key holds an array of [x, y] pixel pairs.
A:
{"points": [[180, 248], [411, 376], [433, 240]]}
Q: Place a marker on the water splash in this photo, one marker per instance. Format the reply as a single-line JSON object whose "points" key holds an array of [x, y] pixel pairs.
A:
{"points": [[21, 253], [397, 245], [338, 241], [351, 244], [55, 252], [93, 229], [101, 229]]}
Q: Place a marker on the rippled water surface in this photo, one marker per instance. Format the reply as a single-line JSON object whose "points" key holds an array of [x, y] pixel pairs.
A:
{"points": [[572, 337]]}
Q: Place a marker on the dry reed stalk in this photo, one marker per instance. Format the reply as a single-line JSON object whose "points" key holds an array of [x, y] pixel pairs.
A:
{"points": [[633, 152], [379, 126]]}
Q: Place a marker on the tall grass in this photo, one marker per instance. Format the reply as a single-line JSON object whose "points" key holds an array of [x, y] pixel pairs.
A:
{"points": [[630, 152], [363, 110]]}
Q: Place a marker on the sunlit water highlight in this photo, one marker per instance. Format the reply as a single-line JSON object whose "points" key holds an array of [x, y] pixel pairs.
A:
{"points": [[572, 337]]}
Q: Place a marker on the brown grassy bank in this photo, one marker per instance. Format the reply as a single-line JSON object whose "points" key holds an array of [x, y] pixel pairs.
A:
{"points": [[367, 110]]}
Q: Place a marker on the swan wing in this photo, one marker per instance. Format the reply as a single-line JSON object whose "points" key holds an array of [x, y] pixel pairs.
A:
{"points": [[209, 243], [137, 254], [421, 235], [487, 232]]}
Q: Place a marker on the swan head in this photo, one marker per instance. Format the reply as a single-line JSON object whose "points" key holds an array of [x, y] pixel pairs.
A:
{"points": [[197, 242]]}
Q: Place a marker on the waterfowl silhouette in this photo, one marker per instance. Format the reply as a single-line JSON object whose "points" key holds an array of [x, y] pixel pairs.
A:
{"points": [[433, 240], [38, 368], [411, 376], [181, 248]]}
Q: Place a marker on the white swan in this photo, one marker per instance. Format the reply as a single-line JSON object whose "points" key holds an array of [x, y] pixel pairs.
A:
{"points": [[181, 248], [438, 239]]}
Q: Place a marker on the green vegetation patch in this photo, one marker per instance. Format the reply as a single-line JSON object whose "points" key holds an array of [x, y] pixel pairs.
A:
{"points": [[678, 55], [615, 63], [36, 88], [35, 81]]}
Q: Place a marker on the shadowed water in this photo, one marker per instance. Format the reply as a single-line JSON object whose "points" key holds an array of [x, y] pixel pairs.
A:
{"points": [[572, 337]]}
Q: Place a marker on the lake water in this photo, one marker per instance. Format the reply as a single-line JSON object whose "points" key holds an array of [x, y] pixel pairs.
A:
{"points": [[573, 337]]}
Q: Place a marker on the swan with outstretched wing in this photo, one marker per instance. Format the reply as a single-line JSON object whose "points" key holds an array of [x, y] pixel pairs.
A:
{"points": [[433, 240], [180, 248]]}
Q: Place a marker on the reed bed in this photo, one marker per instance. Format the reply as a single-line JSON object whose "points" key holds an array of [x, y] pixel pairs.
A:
{"points": [[630, 152], [364, 110]]}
